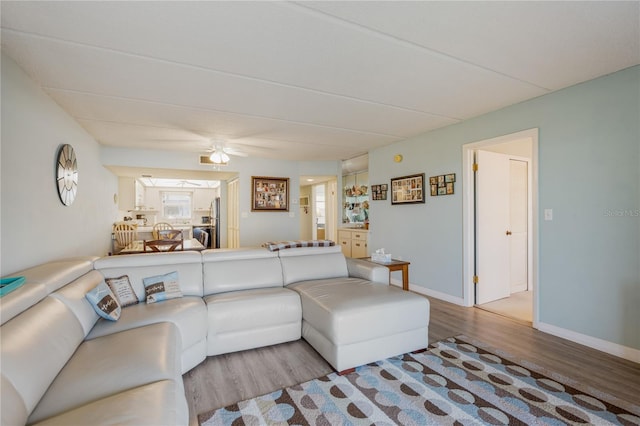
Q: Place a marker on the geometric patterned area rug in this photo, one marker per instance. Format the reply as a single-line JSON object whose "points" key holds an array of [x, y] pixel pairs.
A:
{"points": [[458, 381]]}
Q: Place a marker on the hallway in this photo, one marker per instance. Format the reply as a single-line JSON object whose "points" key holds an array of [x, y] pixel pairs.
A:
{"points": [[518, 306]]}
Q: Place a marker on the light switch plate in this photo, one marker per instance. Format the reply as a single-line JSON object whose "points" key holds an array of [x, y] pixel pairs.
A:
{"points": [[548, 214]]}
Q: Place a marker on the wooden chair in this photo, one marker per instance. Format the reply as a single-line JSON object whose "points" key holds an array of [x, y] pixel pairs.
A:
{"points": [[161, 226], [163, 245], [169, 234], [125, 233]]}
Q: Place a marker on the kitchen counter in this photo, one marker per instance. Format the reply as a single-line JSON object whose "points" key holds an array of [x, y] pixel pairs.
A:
{"points": [[353, 228], [150, 228]]}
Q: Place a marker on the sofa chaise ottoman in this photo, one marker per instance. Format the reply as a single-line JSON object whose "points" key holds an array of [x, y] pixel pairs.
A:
{"points": [[350, 313]]}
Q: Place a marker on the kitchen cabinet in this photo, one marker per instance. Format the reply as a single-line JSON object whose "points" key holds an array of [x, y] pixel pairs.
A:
{"points": [[354, 242], [130, 194], [202, 199]]}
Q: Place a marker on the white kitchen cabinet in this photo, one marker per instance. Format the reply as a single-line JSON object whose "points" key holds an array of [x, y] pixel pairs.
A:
{"points": [[202, 199], [354, 242]]}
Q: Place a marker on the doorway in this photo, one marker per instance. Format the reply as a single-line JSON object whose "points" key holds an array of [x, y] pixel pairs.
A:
{"points": [[318, 201], [500, 222]]}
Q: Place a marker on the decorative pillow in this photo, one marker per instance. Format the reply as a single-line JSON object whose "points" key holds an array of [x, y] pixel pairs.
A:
{"points": [[162, 287], [123, 290], [104, 302]]}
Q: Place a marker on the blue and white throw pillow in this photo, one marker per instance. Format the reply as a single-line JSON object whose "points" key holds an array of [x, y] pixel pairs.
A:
{"points": [[104, 302], [162, 287]]}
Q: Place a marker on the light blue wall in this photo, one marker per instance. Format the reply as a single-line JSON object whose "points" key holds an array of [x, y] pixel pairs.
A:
{"points": [[35, 226], [589, 162]]}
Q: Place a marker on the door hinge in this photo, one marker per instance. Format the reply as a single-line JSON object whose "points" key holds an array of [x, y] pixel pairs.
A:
{"points": [[475, 167], [475, 279]]}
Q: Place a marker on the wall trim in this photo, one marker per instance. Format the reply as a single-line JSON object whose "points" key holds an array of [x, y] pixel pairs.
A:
{"points": [[611, 348], [431, 293]]}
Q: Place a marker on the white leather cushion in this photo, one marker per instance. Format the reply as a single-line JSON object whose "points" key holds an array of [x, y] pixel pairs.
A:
{"points": [[250, 309], [189, 314], [112, 364], [156, 404], [351, 310], [139, 266], [58, 273], [104, 302], [74, 296], [13, 410], [121, 287], [162, 287], [240, 269], [21, 299], [312, 263], [35, 346]]}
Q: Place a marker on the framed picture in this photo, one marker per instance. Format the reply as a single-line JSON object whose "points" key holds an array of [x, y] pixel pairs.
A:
{"points": [[442, 184], [304, 201], [269, 194], [379, 192], [407, 189]]}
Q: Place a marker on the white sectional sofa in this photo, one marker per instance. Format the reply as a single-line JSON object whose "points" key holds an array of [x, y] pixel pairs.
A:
{"points": [[63, 364]]}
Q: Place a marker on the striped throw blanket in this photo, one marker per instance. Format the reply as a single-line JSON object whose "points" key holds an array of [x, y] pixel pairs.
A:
{"points": [[280, 245]]}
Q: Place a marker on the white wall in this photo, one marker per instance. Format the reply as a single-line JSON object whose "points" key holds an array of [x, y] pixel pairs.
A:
{"points": [[35, 226], [589, 174]]}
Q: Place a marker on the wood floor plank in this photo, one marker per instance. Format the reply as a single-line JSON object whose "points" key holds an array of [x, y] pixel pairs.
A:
{"points": [[225, 379]]}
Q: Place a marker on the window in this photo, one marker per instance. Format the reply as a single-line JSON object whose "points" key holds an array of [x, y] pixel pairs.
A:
{"points": [[176, 205]]}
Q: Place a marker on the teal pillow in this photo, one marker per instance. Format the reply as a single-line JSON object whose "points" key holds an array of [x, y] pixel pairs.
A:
{"points": [[104, 302], [162, 287]]}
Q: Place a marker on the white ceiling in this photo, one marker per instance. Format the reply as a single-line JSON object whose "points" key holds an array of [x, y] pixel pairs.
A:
{"points": [[308, 80]]}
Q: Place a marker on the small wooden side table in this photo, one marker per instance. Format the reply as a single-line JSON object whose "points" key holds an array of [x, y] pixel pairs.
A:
{"points": [[396, 265]]}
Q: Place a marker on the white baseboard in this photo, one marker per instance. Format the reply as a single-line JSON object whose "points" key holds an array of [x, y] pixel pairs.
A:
{"points": [[431, 293], [621, 351]]}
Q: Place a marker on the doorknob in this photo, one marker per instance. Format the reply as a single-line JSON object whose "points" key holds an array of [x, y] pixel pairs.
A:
{"points": [[508, 232]]}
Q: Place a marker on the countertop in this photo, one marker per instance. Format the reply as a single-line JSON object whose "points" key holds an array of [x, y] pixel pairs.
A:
{"points": [[353, 228], [150, 228]]}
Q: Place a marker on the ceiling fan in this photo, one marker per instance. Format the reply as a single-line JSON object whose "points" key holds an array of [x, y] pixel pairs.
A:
{"points": [[219, 153]]}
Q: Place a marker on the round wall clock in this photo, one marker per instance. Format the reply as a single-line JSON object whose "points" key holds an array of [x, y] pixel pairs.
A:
{"points": [[67, 174]]}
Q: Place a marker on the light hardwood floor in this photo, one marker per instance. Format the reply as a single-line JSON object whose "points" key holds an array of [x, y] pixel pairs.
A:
{"points": [[225, 379]]}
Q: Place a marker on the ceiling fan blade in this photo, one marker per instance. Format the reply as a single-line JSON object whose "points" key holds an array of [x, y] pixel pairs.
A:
{"points": [[234, 151]]}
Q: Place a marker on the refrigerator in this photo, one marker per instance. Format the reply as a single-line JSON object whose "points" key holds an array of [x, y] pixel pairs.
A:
{"points": [[214, 228], [210, 225]]}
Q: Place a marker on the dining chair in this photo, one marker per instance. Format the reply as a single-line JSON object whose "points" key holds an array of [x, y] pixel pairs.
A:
{"points": [[169, 234], [163, 245], [204, 239], [160, 226], [125, 233]]}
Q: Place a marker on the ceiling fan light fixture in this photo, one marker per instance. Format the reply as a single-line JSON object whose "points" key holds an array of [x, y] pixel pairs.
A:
{"points": [[218, 157]]}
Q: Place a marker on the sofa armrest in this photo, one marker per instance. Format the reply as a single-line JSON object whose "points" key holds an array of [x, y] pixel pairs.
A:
{"points": [[366, 270]]}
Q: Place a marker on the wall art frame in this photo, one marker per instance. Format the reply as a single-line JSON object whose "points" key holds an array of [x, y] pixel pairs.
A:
{"points": [[379, 192], [269, 194], [442, 184], [408, 189]]}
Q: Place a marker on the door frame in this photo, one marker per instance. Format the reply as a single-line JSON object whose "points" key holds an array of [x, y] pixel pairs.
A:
{"points": [[468, 214]]}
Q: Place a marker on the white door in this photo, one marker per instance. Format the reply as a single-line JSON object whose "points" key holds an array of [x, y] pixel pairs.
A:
{"points": [[492, 218], [518, 225]]}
